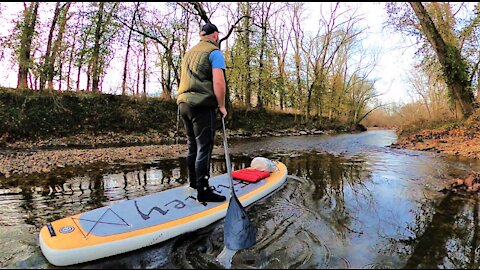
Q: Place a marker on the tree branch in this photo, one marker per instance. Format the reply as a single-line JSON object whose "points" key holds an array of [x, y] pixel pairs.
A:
{"points": [[201, 12], [141, 32], [376, 107], [231, 29]]}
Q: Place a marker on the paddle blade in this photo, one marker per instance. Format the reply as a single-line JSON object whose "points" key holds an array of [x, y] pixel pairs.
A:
{"points": [[239, 233]]}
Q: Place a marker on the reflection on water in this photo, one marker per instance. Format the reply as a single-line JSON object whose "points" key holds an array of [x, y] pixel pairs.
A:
{"points": [[349, 202]]}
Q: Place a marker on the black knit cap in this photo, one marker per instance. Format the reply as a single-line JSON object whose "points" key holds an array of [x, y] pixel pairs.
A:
{"points": [[208, 28]]}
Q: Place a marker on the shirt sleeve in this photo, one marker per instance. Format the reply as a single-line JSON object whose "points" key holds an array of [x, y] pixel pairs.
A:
{"points": [[217, 59]]}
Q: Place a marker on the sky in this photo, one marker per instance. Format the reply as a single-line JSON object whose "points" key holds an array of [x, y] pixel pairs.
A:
{"points": [[396, 53], [395, 59]]}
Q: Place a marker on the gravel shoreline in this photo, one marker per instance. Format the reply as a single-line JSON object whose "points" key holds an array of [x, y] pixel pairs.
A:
{"points": [[24, 162], [23, 158], [45, 161]]}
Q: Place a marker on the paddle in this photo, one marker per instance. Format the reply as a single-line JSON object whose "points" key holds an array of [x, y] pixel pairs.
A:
{"points": [[239, 233]]}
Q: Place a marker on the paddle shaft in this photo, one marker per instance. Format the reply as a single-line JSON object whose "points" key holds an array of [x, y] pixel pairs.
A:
{"points": [[178, 120], [227, 156], [238, 233]]}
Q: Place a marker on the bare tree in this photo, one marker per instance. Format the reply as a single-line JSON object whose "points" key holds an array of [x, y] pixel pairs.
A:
{"points": [[325, 48], [27, 31], [55, 52], [296, 22], [419, 84], [281, 34], [101, 26], [83, 52], [265, 13], [124, 74]]}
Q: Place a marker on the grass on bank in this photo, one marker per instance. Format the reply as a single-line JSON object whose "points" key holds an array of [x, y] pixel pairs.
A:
{"points": [[33, 115]]}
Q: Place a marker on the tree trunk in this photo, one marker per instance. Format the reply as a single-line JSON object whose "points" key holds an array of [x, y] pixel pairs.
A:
{"points": [[124, 77], [30, 19], [144, 67], [89, 76], [137, 84], [57, 45], [454, 66], [60, 78], [96, 49], [246, 45], [82, 59], [263, 44], [261, 82], [70, 60], [46, 60]]}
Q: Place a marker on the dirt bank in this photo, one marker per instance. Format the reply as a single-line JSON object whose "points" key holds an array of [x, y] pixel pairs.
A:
{"points": [[461, 139], [453, 142]]}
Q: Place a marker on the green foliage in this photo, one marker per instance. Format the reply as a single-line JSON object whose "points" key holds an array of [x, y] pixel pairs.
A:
{"points": [[456, 70], [25, 114]]}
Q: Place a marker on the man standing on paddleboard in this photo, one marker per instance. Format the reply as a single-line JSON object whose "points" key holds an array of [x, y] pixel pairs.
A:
{"points": [[201, 91]]}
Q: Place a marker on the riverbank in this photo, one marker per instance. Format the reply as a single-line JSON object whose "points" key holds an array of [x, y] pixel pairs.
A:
{"points": [[45, 132], [24, 159], [25, 163], [459, 138]]}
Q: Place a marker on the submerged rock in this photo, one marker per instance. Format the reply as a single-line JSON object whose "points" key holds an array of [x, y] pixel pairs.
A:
{"points": [[470, 185]]}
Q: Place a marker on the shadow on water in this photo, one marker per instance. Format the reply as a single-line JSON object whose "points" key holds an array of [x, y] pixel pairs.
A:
{"points": [[453, 231], [348, 202]]}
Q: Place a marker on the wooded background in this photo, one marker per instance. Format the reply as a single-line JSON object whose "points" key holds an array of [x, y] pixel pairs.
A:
{"points": [[273, 62]]}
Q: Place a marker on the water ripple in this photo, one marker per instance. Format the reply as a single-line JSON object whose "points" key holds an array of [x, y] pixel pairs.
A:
{"points": [[349, 202]]}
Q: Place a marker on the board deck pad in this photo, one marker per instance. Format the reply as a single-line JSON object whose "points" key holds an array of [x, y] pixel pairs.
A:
{"points": [[157, 208]]}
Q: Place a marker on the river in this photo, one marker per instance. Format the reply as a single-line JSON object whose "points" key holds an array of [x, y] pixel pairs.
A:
{"points": [[350, 201]]}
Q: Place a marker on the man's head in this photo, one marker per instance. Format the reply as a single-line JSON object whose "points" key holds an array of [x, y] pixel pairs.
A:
{"points": [[210, 30]]}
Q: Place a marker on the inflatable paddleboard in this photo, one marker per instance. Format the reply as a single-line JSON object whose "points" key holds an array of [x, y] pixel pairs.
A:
{"points": [[144, 221]]}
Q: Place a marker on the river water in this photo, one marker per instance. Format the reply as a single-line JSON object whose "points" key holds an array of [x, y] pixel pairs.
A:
{"points": [[349, 201]]}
